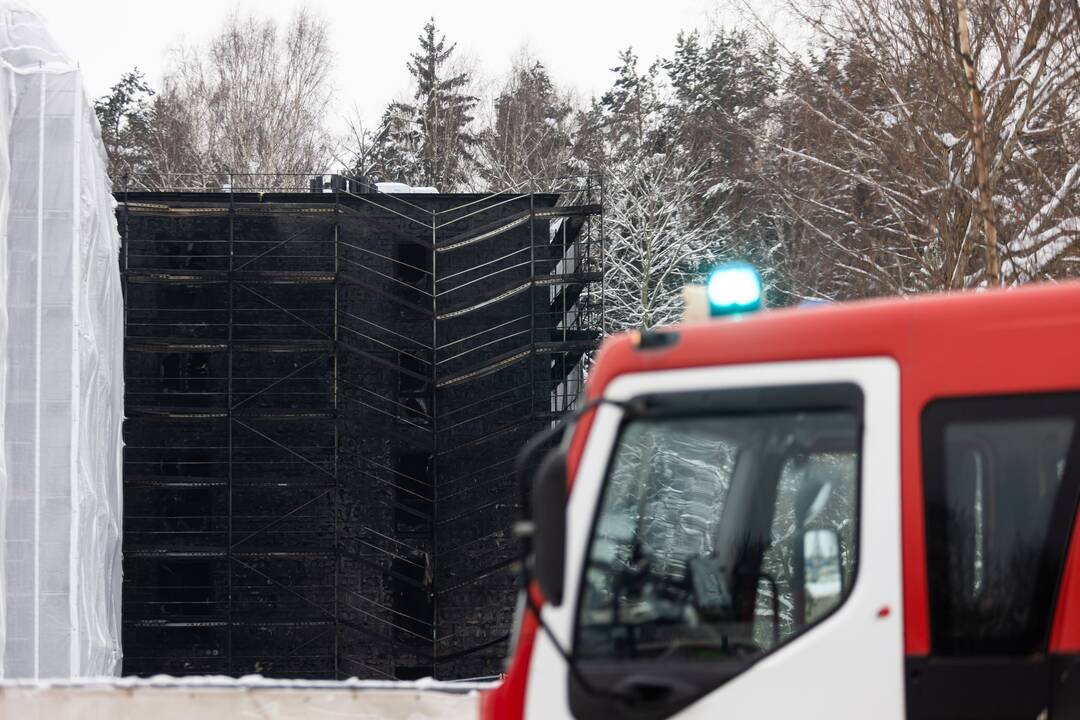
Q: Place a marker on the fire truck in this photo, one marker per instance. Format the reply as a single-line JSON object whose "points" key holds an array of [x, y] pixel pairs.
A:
{"points": [[859, 510]]}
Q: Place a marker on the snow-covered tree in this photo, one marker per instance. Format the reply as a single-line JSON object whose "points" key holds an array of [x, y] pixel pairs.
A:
{"points": [[125, 115], [656, 241], [430, 140], [661, 230], [721, 83], [631, 112], [253, 101], [873, 166], [356, 151], [395, 152], [530, 140]]}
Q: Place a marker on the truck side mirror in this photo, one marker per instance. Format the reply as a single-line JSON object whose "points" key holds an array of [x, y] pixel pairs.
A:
{"points": [[549, 524]]}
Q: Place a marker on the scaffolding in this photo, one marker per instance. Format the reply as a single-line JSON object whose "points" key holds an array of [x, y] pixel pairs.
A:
{"points": [[325, 393]]}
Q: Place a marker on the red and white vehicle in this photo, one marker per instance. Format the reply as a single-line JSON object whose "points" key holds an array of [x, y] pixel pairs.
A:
{"points": [[863, 510]]}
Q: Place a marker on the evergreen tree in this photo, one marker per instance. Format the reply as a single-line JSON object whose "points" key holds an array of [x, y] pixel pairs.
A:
{"points": [[589, 142], [531, 139], [631, 112], [723, 91], [722, 88], [395, 153], [660, 232], [430, 140], [125, 117]]}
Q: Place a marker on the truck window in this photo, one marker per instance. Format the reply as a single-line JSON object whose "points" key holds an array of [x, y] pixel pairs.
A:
{"points": [[997, 520], [1001, 481], [719, 537]]}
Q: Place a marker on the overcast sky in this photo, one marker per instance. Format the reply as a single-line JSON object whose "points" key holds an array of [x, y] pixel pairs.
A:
{"points": [[577, 39]]}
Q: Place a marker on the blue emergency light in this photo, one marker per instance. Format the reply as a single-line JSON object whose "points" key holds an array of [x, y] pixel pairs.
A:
{"points": [[734, 288]]}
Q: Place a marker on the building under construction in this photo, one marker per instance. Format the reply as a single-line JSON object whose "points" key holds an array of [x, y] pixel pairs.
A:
{"points": [[326, 390]]}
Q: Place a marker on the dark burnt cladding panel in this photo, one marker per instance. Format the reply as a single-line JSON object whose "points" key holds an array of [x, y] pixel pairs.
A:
{"points": [[325, 394]]}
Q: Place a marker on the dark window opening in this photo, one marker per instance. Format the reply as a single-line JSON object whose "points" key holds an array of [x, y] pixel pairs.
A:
{"points": [[414, 612], [196, 370], [184, 372], [412, 494], [412, 264], [172, 379], [187, 510], [413, 379]]}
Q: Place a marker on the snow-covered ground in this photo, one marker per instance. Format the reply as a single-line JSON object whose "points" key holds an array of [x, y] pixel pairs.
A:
{"points": [[210, 698]]}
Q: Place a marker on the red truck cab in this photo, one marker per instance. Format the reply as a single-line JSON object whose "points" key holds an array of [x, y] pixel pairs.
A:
{"points": [[855, 510]]}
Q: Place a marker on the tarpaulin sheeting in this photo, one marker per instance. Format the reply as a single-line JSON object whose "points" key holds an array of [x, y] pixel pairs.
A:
{"points": [[61, 344]]}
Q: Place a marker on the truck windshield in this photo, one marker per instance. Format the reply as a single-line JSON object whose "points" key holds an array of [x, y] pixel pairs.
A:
{"points": [[720, 536]]}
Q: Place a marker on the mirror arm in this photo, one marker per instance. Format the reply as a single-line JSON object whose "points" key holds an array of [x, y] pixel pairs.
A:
{"points": [[526, 528], [537, 443]]}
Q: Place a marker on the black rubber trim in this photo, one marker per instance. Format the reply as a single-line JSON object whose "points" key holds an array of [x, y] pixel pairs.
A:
{"points": [[1065, 686], [976, 688], [994, 688], [753, 401]]}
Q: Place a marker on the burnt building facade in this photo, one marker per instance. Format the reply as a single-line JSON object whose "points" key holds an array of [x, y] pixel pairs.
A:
{"points": [[325, 395]]}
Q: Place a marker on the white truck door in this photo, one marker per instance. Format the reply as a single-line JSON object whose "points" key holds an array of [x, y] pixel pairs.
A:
{"points": [[733, 549]]}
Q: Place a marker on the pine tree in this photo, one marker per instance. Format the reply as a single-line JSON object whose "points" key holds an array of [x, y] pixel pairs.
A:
{"points": [[395, 155], [722, 88], [430, 141], [125, 116], [723, 91], [660, 233], [631, 111], [531, 139]]}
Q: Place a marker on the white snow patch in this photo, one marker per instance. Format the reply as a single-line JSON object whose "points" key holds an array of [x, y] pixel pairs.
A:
{"points": [[403, 188], [888, 119], [723, 186], [1049, 245], [948, 139], [246, 682]]}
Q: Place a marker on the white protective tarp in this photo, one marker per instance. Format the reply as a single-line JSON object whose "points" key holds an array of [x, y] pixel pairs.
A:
{"points": [[61, 342]]}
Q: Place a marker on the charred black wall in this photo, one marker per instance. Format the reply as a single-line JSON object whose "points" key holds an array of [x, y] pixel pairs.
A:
{"points": [[325, 394]]}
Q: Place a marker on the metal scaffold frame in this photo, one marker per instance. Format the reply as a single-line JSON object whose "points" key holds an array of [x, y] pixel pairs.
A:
{"points": [[326, 392]]}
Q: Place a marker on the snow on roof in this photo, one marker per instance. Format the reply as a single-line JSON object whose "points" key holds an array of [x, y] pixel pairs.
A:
{"points": [[247, 681], [401, 188]]}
